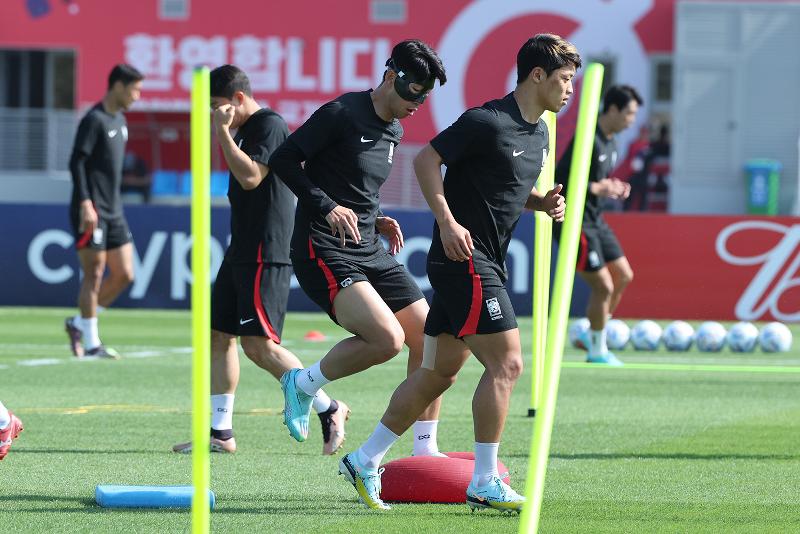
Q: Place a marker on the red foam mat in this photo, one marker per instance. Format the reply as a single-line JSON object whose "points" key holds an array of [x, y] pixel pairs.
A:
{"points": [[425, 479]]}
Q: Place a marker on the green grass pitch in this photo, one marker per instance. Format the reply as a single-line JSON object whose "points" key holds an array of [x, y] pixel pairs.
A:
{"points": [[634, 450]]}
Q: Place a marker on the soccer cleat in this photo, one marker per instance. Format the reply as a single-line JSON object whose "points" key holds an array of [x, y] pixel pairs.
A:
{"points": [[367, 483], [333, 428], [608, 359], [9, 434], [101, 351], [496, 494], [296, 405], [216, 445], [75, 336]]}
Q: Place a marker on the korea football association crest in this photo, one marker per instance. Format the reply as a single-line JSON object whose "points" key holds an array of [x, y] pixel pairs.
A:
{"points": [[493, 307]]}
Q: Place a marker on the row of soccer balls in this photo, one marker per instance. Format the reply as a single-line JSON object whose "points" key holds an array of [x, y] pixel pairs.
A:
{"points": [[710, 336]]}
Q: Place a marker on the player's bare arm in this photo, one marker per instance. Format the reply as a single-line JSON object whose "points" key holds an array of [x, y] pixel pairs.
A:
{"points": [[456, 239], [552, 203], [247, 172], [390, 229]]}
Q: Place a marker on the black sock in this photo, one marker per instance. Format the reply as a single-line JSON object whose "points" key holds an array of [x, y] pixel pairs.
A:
{"points": [[223, 435], [331, 409]]}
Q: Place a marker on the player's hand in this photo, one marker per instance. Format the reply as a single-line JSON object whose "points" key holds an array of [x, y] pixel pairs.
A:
{"points": [[456, 241], [223, 116], [88, 217], [390, 229], [610, 188], [344, 221], [553, 203], [624, 188]]}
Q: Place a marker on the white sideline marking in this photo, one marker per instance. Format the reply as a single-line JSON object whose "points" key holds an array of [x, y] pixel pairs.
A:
{"points": [[40, 361]]}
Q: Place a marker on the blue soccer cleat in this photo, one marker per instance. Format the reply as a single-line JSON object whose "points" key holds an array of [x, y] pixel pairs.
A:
{"points": [[296, 405], [366, 482], [608, 359], [496, 495]]}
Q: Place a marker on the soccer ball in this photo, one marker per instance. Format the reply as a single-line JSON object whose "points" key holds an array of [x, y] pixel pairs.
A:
{"points": [[617, 334], [646, 335], [710, 337], [576, 329], [678, 336], [742, 337], [775, 337]]}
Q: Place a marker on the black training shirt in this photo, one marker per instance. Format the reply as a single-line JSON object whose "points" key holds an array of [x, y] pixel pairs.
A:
{"points": [[493, 159], [261, 218], [348, 150], [604, 161], [96, 162]]}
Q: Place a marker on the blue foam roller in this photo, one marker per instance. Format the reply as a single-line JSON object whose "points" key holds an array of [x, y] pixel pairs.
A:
{"points": [[111, 496]]}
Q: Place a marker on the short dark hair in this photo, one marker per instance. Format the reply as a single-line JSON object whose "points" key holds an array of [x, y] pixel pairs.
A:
{"points": [[548, 51], [228, 79], [124, 73], [620, 96], [419, 60]]}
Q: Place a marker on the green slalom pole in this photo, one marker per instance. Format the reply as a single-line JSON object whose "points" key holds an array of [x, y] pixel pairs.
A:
{"points": [[562, 294], [201, 298], [543, 240]]}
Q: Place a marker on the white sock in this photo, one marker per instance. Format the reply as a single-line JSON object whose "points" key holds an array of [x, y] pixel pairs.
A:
{"points": [[598, 341], [485, 463], [425, 443], [91, 336], [222, 411], [311, 379], [5, 419], [321, 402], [375, 448]]}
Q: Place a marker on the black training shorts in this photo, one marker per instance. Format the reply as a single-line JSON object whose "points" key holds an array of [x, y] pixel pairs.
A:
{"points": [[468, 303], [249, 299]]}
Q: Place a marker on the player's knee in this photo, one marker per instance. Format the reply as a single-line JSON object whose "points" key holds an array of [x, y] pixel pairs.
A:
{"points": [[604, 288], [94, 274], [626, 278], [513, 367], [259, 350], [126, 277], [508, 368], [445, 379], [388, 344]]}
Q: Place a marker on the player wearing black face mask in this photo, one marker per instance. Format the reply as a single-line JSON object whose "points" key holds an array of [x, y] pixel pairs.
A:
{"points": [[347, 146]]}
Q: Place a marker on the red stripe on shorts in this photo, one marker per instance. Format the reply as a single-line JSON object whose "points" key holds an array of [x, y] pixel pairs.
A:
{"points": [[471, 325], [259, 305], [584, 252], [333, 287], [84, 240]]}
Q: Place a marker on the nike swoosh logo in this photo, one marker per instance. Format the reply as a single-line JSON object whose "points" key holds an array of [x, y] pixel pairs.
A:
{"points": [[366, 140], [112, 133], [245, 322], [518, 153]]}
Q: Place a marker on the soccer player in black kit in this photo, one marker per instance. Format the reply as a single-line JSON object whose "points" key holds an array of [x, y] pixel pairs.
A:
{"points": [[494, 154], [251, 289], [601, 262], [338, 258], [102, 236]]}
